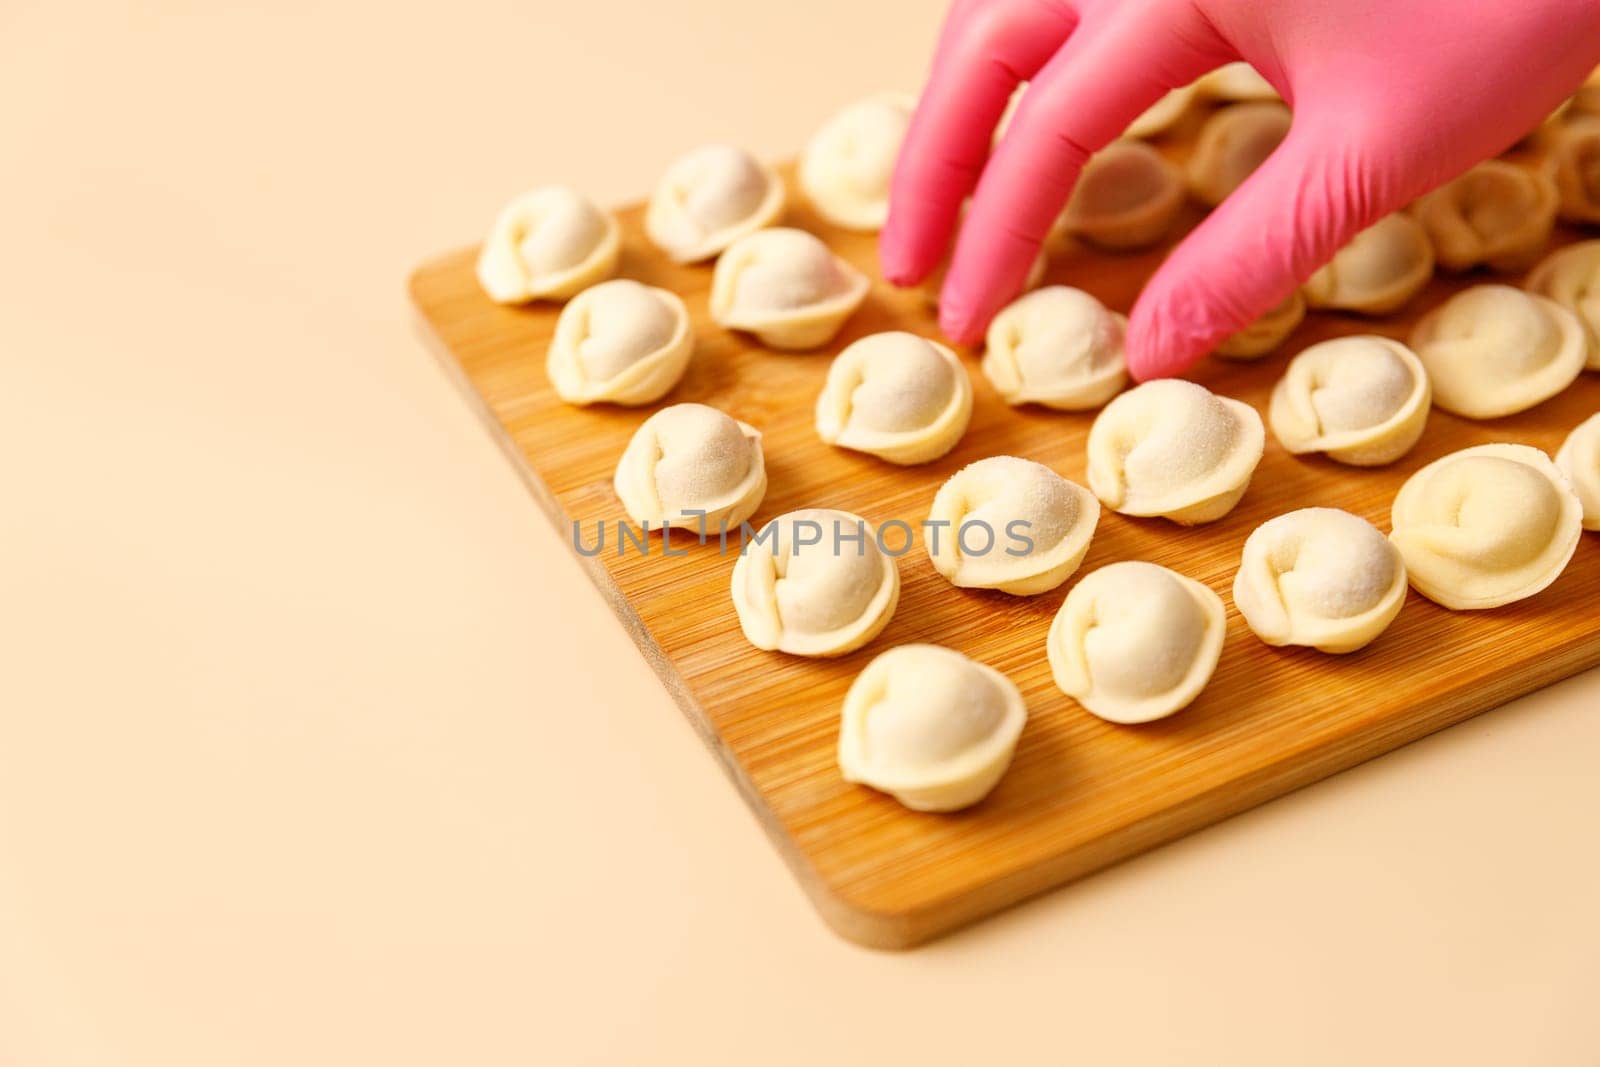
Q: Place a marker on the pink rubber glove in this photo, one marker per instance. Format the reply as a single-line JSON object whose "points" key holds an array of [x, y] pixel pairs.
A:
{"points": [[1391, 98]]}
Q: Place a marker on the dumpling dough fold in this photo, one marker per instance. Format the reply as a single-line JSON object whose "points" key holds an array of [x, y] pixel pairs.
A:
{"points": [[1056, 346], [786, 287], [1363, 400], [897, 396], [1497, 214], [1579, 460], [1031, 527], [1319, 577], [619, 342], [1232, 144], [1571, 277], [929, 726], [1492, 350], [690, 458], [1134, 642], [1127, 196], [1379, 271], [548, 244], [848, 164], [814, 583], [1573, 165], [1175, 449], [1486, 526], [710, 197]]}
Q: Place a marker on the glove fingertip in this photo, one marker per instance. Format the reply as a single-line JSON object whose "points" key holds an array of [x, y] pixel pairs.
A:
{"points": [[897, 259], [1159, 347]]}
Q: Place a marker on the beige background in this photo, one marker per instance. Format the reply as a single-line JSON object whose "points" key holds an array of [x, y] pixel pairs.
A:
{"points": [[315, 746]]}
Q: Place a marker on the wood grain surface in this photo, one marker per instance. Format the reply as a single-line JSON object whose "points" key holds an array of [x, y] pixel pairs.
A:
{"points": [[1081, 793]]}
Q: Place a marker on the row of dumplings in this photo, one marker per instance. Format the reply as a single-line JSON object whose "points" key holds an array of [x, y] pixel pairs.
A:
{"points": [[1132, 641], [1489, 351]]}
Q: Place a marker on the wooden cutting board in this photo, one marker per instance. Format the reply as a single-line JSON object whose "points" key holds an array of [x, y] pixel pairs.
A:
{"points": [[1081, 793]]}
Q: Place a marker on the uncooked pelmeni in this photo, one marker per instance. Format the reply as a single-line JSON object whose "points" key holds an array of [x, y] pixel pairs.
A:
{"points": [[1056, 346], [1009, 524], [1263, 336], [1232, 144], [1128, 196], [619, 342], [1486, 526], [1492, 350], [1134, 642], [897, 396], [547, 244], [1571, 277], [786, 287], [1497, 214], [1363, 400], [710, 197], [1382, 268], [930, 727], [1175, 449], [692, 466], [1319, 577], [1579, 460], [847, 166], [814, 583], [1237, 81], [1162, 115], [1573, 166]]}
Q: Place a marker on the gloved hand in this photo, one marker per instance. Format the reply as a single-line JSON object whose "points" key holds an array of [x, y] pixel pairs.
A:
{"points": [[1391, 98]]}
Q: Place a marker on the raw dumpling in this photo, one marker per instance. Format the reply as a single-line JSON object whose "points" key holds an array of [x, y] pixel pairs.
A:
{"points": [[1010, 524], [1128, 196], [1319, 577], [1486, 526], [1175, 449], [848, 164], [690, 459], [1573, 165], [709, 198], [786, 287], [1492, 350], [814, 583], [1232, 144], [1579, 460], [1134, 642], [1497, 214], [1571, 277], [1237, 81], [547, 245], [897, 396], [1382, 267], [1363, 400], [1268, 332], [930, 727], [620, 342], [1056, 346], [1163, 114]]}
